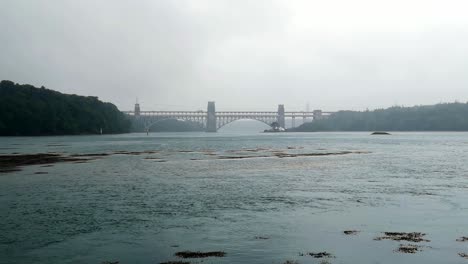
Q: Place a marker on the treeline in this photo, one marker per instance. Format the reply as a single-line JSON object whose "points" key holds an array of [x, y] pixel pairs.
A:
{"points": [[440, 117], [29, 111]]}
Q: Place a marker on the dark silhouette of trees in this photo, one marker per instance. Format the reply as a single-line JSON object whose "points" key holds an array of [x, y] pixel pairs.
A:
{"points": [[440, 117], [29, 111]]}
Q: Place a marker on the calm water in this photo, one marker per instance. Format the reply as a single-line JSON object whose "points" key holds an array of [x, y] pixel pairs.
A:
{"points": [[144, 208]]}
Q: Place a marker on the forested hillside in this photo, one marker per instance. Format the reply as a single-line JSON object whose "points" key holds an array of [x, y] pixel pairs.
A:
{"points": [[440, 117], [29, 111]]}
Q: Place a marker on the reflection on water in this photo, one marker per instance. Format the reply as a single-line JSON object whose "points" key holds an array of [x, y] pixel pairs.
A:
{"points": [[260, 198]]}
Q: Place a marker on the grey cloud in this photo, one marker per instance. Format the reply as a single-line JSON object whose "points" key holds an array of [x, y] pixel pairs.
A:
{"points": [[242, 54]]}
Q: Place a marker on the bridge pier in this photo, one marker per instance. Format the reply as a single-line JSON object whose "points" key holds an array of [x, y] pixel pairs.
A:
{"points": [[281, 117], [211, 118]]}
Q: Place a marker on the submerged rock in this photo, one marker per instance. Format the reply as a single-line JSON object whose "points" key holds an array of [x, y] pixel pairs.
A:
{"points": [[10, 163], [199, 254], [322, 254], [291, 262]]}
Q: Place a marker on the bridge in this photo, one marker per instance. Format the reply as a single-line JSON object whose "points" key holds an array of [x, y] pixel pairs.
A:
{"points": [[211, 120]]}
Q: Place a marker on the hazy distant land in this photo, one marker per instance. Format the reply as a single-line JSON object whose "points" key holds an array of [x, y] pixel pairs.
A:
{"points": [[29, 111], [439, 117]]}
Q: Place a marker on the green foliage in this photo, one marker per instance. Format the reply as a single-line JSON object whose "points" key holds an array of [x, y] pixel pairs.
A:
{"points": [[29, 111], [440, 117]]}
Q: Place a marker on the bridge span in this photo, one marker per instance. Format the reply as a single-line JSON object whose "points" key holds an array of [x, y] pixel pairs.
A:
{"points": [[211, 120]]}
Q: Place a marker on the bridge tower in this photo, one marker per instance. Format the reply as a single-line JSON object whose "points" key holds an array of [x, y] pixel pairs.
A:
{"points": [[211, 118], [137, 109], [281, 118]]}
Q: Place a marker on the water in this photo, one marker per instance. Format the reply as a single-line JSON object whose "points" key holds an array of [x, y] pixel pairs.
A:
{"points": [[132, 209]]}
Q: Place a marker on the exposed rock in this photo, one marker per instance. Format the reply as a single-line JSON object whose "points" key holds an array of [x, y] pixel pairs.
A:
{"points": [[380, 133], [350, 232], [408, 248], [402, 236]]}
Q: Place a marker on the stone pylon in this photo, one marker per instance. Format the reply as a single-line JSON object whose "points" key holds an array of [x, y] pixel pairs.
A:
{"points": [[281, 119], [211, 118]]}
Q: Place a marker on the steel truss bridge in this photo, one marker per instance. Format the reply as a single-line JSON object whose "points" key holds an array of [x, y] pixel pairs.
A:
{"points": [[211, 120]]}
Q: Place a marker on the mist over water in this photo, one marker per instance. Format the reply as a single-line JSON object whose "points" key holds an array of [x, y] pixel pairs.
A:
{"points": [[221, 191]]}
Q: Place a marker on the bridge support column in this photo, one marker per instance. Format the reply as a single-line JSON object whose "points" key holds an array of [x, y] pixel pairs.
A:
{"points": [[281, 119], [136, 112], [211, 118]]}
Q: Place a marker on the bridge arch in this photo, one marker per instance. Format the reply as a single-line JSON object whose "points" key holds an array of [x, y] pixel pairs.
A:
{"points": [[149, 122], [221, 123]]}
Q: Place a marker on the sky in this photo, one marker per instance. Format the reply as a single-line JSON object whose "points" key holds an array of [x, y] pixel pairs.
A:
{"points": [[242, 54]]}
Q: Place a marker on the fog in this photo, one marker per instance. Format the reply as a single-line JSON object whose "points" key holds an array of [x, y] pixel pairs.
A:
{"points": [[245, 55]]}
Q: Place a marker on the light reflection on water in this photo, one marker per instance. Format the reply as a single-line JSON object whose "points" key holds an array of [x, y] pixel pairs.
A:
{"points": [[136, 210]]}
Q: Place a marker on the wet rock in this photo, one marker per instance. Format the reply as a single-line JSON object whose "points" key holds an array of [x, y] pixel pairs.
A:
{"points": [[199, 254], [124, 152], [41, 172], [323, 254], [152, 158], [403, 236], [409, 248], [110, 262], [240, 157], [262, 237], [380, 133], [462, 239], [350, 232], [463, 255], [281, 154], [175, 262], [10, 163], [318, 154], [90, 155], [291, 262]]}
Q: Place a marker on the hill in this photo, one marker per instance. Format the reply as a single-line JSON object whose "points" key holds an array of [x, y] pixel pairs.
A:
{"points": [[29, 111], [439, 117]]}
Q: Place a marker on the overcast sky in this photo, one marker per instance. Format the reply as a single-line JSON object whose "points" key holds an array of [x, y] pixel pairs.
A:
{"points": [[242, 54]]}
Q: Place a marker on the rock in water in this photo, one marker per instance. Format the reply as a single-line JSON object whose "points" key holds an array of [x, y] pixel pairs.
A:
{"points": [[380, 133]]}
